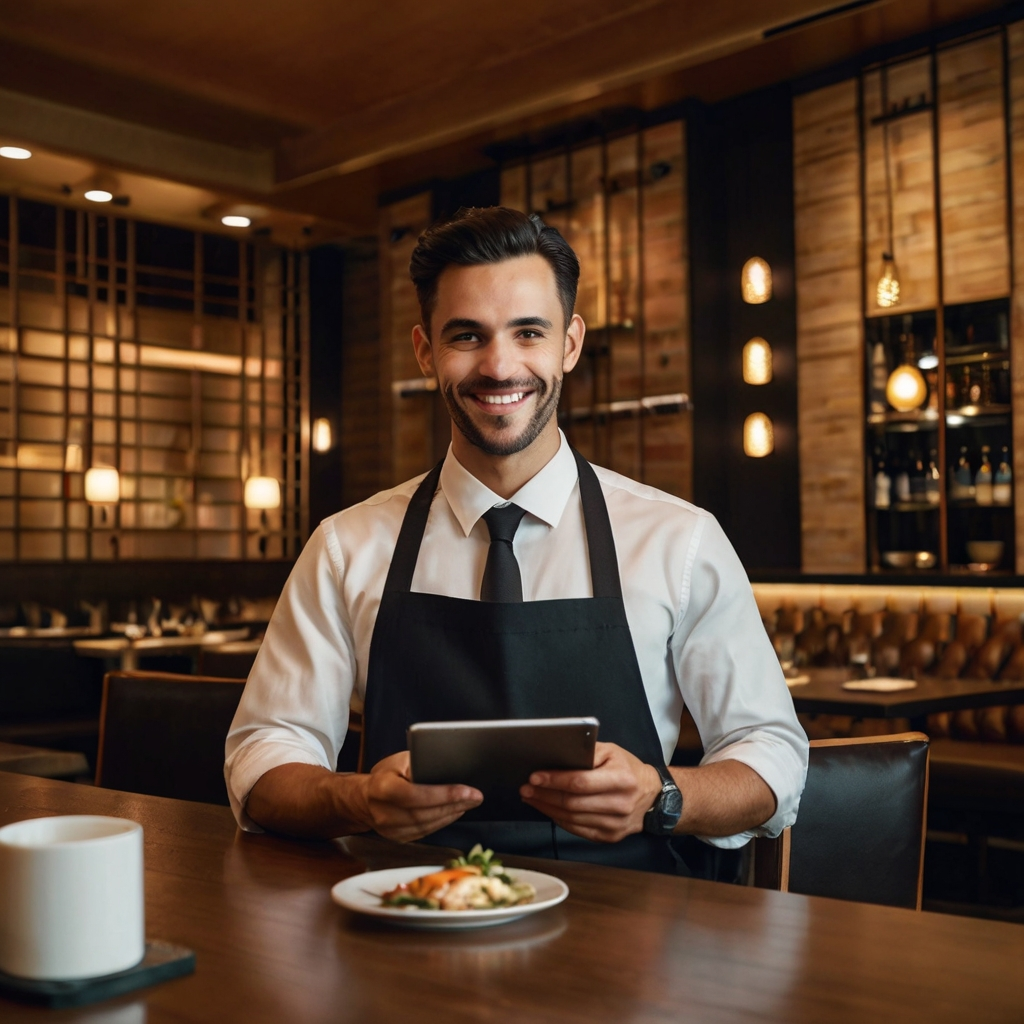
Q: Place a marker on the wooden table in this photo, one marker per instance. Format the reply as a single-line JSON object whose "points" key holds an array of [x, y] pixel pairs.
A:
{"points": [[128, 651], [824, 694], [272, 947]]}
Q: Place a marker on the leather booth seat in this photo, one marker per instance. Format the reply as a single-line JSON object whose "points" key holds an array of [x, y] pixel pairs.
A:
{"points": [[949, 632]]}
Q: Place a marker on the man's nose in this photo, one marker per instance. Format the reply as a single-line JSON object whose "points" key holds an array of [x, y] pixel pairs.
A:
{"points": [[499, 359]]}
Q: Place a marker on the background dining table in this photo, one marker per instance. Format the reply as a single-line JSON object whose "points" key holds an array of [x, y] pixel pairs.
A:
{"points": [[823, 693], [625, 946]]}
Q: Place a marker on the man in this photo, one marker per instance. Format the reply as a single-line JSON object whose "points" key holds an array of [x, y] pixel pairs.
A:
{"points": [[515, 580]]}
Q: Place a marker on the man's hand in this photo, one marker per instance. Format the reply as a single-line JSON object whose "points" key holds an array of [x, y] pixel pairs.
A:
{"points": [[401, 810], [605, 804], [316, 803]]}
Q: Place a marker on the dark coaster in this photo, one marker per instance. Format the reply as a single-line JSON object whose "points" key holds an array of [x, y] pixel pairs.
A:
{"points": [[161, 963]]}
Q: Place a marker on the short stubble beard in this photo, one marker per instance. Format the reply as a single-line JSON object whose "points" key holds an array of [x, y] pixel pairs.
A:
{"points": [[546, 406]]}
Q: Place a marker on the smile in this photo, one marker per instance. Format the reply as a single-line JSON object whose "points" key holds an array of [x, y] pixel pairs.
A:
{"points": [[516, 396]]}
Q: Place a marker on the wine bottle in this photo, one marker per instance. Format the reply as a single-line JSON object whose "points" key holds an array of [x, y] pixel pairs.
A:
{"points": [[1002, 489], [932, 482], [883, 486], [960, 485], [983, 481]]}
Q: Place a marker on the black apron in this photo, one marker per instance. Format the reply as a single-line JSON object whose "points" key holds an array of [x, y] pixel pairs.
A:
{"points": [[435, 658]]}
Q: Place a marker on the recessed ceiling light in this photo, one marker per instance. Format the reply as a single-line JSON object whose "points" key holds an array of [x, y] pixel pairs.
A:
{"points": [[99, 195], [233, 221], [15, 152]]}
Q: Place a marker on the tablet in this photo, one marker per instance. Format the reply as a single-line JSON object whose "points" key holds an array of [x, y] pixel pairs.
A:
{"points": [[497, 757]]}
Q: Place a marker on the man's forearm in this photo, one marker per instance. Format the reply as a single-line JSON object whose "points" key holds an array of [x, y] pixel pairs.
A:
{"points": [[722, 799], [310, 802]]}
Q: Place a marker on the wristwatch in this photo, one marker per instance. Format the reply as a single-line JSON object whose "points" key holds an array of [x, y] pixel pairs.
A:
{"points": [[663, 817]]}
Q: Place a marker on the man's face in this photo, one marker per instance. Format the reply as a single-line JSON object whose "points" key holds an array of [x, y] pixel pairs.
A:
{"points": [[499, 348]]}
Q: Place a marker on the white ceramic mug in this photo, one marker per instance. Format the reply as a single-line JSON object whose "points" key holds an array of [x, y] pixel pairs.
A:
{"points": [[71, 897]]}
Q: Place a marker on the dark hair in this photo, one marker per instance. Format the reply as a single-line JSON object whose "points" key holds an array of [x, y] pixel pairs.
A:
{"points": [[490, 235]]}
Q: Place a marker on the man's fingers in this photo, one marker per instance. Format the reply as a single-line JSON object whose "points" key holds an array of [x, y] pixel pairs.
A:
{"points": [[402, 793], [557, 799]]}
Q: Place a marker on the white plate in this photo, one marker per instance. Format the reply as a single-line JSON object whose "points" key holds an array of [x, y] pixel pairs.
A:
{"points": [[362, 893], [881, 685]]}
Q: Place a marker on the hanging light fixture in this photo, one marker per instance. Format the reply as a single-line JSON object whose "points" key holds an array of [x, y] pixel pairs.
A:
{"points": [[756, 281], [906, 389], [757, 361], [758, 436], [887, 291]]}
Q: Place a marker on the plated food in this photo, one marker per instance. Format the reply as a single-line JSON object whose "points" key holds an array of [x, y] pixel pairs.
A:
{"points": [[476, 881], [403, 896]]}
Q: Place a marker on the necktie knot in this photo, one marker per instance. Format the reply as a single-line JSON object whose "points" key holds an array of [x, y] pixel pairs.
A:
{"points": [[503, 521], [502, 581]]}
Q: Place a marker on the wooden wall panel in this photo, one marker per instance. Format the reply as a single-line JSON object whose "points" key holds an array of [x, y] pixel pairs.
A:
{"points": [[410, 438], [912, 184], [830, 370], [972, 172], [362, 453], [668, 439], [1015, 40]]}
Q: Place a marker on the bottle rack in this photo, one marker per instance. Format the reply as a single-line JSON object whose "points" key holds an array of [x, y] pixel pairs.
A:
{"points": [[933, 509]]}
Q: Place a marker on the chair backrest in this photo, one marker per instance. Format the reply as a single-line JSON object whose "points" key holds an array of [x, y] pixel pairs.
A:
{"points": [[860, 831], [163, 734]]}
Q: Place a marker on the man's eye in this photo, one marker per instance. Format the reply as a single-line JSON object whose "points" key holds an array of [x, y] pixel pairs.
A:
{"points": [[530, 333], [464, 337]]}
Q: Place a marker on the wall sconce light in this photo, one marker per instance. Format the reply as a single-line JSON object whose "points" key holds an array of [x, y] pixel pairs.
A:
{"points": [[906, 389], [758, 436], [262, 492], [887, 293], [102, 486], [756, 281], [757, 361], [15, 152], [322, 439]]}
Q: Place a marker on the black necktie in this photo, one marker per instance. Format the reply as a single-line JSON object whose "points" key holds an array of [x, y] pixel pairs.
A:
{"points": [[502, 581]]}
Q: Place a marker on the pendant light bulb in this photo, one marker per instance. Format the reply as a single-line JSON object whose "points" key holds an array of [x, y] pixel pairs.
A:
{"points": [[906, 389], [887, 294]]}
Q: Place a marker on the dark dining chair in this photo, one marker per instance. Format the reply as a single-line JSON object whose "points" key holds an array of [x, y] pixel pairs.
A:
{"points": [[860, 830], [163, 734]]}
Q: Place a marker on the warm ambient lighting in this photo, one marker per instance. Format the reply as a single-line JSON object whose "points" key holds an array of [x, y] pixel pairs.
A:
{"points": [[906, 389], [233, 221], [757, 361], [102, 486], [322, 439], [262, 492], [756, 281], [99, 195], [758, 436], [887, 294], [15, 152]]}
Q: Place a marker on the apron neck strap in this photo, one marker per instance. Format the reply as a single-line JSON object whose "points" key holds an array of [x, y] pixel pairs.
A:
{"points": [[604, 567]]}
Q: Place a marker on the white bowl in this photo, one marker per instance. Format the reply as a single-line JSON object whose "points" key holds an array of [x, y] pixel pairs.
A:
{"points": [[990, 551]]}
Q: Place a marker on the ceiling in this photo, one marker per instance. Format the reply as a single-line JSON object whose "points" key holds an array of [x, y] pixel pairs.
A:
{"points": [[310, 108]]}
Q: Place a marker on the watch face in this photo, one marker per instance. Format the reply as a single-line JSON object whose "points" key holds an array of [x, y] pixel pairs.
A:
{"points": [[671, 804]]}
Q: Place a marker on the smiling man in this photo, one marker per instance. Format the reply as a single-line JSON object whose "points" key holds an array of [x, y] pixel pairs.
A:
{"points": [[515, 580]]}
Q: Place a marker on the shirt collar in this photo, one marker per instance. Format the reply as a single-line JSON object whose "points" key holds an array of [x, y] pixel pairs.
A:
{"points": [[544, 496]]}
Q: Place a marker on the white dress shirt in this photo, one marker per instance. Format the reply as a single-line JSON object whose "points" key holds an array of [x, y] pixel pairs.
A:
{"points": [[698, 636]]}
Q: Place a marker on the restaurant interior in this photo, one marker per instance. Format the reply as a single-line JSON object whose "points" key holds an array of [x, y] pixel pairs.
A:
{"points": [[800, 226]]}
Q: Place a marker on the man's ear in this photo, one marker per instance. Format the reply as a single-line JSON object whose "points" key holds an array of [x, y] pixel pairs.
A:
{"points": [[573, 342], [424, 353]]}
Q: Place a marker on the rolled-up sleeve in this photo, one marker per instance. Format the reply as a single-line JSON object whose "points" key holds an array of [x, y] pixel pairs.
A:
{"points": [[296, 701], [731, 680]]}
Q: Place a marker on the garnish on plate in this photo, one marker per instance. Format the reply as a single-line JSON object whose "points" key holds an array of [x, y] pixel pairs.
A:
{"points": [[476, 881]]}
